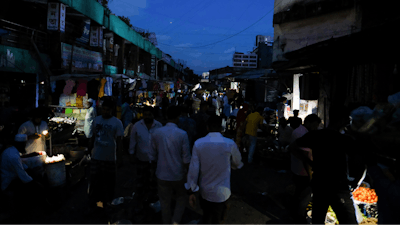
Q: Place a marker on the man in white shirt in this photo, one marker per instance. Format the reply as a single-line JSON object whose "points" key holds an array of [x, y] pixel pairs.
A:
{"points": [[34, 130], [210, 171], [300, 176], [172, 152], [15, 179], [106, 147], [140, 144]]}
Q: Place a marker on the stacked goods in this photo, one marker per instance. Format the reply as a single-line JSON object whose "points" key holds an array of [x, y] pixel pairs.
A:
{"points": [[365, 195]]}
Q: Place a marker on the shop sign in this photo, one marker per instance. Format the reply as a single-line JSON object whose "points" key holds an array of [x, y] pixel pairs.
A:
{"points": [[153, 66], [96, 36], [82, 59], [56, 16], [85, 35]]}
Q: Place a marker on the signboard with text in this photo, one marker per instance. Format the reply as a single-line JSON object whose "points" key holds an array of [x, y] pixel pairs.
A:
{"points": [[56, 16], [82, 59]]}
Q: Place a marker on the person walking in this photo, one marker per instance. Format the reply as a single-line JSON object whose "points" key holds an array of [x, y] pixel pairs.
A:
{"points": [[281, 107], [201, 118], [329, 166], [300, 176], [294, 120], [139, 147], [253, 122], [89, 118], [284, 133], [106, 147], [170, 153], [165, 104], [210, 171], [187, 124]]}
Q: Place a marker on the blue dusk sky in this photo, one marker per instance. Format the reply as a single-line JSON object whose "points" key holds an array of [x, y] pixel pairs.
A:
{"points": [[189, 29]]}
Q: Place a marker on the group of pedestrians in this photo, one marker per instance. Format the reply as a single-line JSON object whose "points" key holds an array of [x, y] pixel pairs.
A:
{"points": [[189, 155], [167, 158]]}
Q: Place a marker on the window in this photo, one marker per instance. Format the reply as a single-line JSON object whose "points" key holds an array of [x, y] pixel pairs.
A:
{"points": [[253, 65], [245, 60], [253, 56], [237, 64], [245, 56], [237, 60], [237, 56], [245, 64], [253, 60]]}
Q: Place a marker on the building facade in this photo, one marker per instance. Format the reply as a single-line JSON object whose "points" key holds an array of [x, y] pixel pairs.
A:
{"points": [[242, 60]]}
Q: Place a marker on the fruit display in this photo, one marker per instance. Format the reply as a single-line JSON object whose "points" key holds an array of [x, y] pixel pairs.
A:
{"points": [[365, 195]]}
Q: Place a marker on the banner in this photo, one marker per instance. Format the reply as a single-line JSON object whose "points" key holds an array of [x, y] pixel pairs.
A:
{"points": [[86, 31], [153, 66], [94, 36], [56, 16], [82, 60], [62, 17], [53, 16]]}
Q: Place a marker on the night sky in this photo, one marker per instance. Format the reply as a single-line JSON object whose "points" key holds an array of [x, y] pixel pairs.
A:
{"points": [[189, 29]]}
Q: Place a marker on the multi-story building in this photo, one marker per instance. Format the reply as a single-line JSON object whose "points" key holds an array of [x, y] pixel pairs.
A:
{"points": [[69, 37], [245, 60]]}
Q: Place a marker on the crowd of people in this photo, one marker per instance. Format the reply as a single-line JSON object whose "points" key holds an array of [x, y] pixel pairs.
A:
{"points": [[189, 155]]}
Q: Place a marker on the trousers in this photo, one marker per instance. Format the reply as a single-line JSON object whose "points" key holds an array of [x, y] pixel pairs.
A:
{"points": [[166, 189]]}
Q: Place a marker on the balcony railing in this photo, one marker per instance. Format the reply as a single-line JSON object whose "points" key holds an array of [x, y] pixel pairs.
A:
{"points": [[16, 35]]}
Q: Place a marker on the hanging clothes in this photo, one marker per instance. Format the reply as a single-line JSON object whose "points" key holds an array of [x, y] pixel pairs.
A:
{"points": [[156, 86], [93, 89], [79, 101], [144, 84], [68, 87], [82, 87], [53, 86], [102, 85], [108, 87]]}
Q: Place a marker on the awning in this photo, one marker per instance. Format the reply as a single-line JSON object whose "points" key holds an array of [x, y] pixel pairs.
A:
{"points": [[145, 77], [85, 76], [253, 74]]}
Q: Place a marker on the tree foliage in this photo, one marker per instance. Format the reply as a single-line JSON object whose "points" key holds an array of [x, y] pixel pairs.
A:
{"points": [[126, 20]]}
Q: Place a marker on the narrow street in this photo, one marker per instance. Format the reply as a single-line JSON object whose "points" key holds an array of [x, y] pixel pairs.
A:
{"points": [[260, 194]]}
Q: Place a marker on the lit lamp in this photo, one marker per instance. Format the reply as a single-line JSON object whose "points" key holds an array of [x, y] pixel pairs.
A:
{"points": [[45, 133]]}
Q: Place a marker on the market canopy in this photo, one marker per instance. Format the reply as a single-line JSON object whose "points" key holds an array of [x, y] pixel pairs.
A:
{"points": [[86, 76], [253, 74]]}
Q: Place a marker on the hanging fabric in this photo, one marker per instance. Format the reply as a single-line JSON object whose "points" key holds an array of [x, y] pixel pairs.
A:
{"points": [[79, 101], [68, 87], [53, 86], [144, 84], [108, 87], [102, 84], [82, 87]]}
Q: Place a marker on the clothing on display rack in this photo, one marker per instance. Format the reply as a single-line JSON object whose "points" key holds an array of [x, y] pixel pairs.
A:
{"points": [[82, 87], [69, 86], [79, 101], [144, 84], [102, 85], [53, 85], [108, 86]]}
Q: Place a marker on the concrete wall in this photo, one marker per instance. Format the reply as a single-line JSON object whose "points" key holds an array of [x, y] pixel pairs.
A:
{"points": [[295, 35]]}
